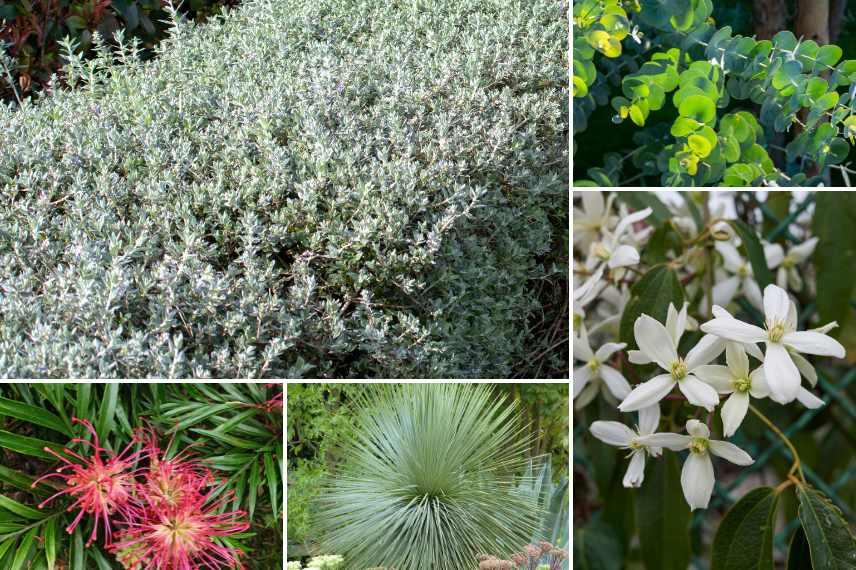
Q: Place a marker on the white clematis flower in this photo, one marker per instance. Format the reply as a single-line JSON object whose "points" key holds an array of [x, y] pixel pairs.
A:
{"points": [[659, 344], [787, 275], [619, 435], [781, 339], [735, 379], [596, 374], [742, 278], [593, 219], [610, 250], [697, 474]]}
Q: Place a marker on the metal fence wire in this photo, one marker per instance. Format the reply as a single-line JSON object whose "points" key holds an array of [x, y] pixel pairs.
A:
{"points": [[770, 448]]}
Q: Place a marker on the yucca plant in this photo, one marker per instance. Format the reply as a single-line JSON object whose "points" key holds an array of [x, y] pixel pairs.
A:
{"points": [[428, 480]]}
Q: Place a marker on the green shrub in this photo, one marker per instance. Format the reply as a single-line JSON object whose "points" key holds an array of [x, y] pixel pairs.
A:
{"points": [[332, 188]]}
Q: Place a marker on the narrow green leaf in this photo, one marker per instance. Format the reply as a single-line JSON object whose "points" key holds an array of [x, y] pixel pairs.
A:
{"points": [[744, 539], [5, 546], [16, 479], [204, 411], [100, 560], [664, 517], [19, 509], [33, 414], [651, 295], [77, 551], [799, 557], [640, 200], [84, 397], [24, 547], [273, 482], [228, 439], [830, 540], [27, 445], [108, 410], [754, 251], [597, 548], [50, 543], [254, 487], [231, 462]]}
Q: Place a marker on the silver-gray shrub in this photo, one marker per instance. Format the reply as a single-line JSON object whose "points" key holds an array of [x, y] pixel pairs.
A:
{"points": [[305, 188]]}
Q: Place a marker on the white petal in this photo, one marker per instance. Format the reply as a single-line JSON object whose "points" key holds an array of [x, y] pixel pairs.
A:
{"points": [[587, 395], [582, 350], [719, 377], [753, 350], [730, 256], [698, 393], [648, 393], [697, 429], [654, 340], [738, 362], [649, 419], [593, 205], [782, 277], [753, 293], [810, 342], [730, 452], [808, 399], [724, 291], [613, 433], [733, 412], [581, 377], [636, 470], [732, 329], [804, 250], [776, 303], [805, 368], [623, 256], [615, 382], [627, 221], [708, 348], [638, 357], [791, 323], [774, 254], [782, 375], [826, 328], [608, 350], [589, 286], [721, 313], [697, 480], [794, 279], [673, 441], [759, 387]]}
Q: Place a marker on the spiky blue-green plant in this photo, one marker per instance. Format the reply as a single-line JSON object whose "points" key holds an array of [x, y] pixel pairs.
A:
{"points": [[428, 480]]}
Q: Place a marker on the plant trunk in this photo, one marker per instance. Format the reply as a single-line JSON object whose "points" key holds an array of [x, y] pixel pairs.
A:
{"points": [[769, 16], [836, 18], [813, 24]]}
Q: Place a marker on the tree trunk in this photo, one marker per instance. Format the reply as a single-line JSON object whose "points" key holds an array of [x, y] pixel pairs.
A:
{"points": [[769, 16], [813, 20]]}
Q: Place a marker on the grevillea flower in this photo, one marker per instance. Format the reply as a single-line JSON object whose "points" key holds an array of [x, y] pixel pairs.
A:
{"points": [[103, 484], [182, 536], [274, 403]]}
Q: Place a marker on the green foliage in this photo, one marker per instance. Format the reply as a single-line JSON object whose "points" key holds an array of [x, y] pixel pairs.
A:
{"points": [[428, 480], [651, 295], [296, 189], [703, 74], [754, 252], [663, 517], [35, 538], [553, 500], [744, 538], [831, 542]]}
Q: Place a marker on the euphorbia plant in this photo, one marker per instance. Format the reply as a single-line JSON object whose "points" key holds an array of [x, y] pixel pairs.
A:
{"points": [[699, 374]]}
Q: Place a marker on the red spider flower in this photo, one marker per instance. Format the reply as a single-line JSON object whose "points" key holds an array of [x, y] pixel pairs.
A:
{"points": [[275, 402], [102, 486], [168, 481], [181, 536]]}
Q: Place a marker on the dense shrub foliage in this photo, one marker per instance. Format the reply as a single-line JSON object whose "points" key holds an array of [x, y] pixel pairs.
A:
{"points": [[707, 102], [331, 188], [33, 29]]}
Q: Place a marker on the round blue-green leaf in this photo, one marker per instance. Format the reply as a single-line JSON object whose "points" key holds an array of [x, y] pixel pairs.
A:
{"points": [[829, 55], [785, 40], [827, 101], [838, 151], [699, 108], [700, 146], [684, 126]]}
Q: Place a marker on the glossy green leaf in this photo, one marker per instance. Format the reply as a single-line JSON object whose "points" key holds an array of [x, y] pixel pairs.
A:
{"points": [[799, 557], [20, 509], [684, 126], [637, 116], [273, 482], [651, 295], [829, 55], [51, 543], [827, 101], [700, 146], [830, 540], [744, 539], [27, 445], [33, 414], [698, 108], [23, 553], [107, 411], [754, 252], [663, 517]]}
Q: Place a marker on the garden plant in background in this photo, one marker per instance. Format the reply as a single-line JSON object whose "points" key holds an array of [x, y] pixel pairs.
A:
{"points": [[329, 189], [724, 367], [707, 106], [143, 476], [425, 475]]}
